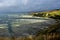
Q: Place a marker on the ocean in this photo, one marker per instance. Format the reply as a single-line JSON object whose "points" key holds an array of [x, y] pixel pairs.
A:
{"points": [[22, 24]]}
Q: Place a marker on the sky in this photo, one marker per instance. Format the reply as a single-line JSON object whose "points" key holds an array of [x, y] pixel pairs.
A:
{"points": [[28, 5]]}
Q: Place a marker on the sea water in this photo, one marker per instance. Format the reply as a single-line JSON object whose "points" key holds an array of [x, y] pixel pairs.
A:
{"points": [[18, 25]]}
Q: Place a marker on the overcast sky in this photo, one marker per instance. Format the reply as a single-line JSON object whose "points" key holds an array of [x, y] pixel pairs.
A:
{"points": [[28, 5]]}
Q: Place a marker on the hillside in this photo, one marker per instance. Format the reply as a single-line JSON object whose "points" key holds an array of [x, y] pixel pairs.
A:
{"points": [[51, 13], [53, 32]]}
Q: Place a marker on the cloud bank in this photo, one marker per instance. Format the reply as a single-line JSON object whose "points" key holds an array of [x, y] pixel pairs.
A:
{"points": [[28, 5]]}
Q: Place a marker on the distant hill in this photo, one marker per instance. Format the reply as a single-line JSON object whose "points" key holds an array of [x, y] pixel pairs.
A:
{"points": [[47, 13]]}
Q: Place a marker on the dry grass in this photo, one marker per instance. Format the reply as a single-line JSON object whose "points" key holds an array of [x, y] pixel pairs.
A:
{"points": [[51, 36], [40, 37]]}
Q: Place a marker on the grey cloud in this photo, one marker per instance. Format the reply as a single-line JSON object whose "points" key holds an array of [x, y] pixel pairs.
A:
{"points": [[33, 5]]}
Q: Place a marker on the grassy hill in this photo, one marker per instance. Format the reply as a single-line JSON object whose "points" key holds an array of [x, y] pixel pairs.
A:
{"points": [[51, 13]]}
